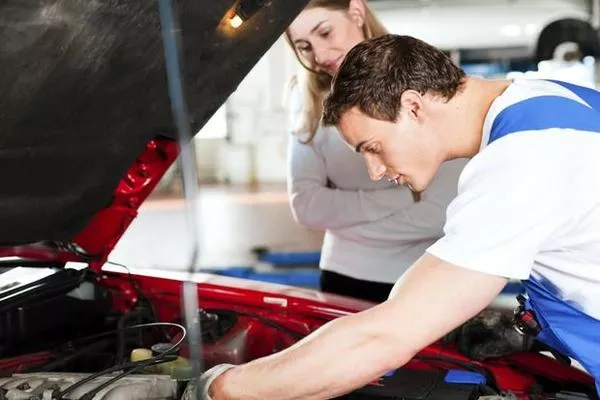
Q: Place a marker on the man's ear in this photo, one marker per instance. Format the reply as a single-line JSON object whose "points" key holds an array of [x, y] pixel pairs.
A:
{"points": [[412, 102], [356, 11]]}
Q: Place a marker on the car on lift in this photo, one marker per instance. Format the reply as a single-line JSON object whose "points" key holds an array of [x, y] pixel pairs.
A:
{"points": [[86, 132]]}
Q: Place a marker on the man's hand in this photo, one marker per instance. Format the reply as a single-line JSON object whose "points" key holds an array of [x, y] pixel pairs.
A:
{"points": [[207, 381], [430, 300]]}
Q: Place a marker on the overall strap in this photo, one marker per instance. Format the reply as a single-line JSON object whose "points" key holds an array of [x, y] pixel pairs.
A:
{"points": [[546, 112], [590, 96]]}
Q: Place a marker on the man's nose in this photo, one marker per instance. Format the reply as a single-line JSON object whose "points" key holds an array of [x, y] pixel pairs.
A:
{"points": [[375, 167]]}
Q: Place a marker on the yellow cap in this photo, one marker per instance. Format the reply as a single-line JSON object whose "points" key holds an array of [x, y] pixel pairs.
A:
{"points": [[140, 354]]}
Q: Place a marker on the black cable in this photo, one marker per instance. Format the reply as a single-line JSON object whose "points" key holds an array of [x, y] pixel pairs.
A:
{"points": [[140, 295], [137, 326], [120, 340], [159, 359], [140, 299], [138, 365], [65, 359], [121, 324], [130, 364], [273, 324], [136, 287], [121, 333]]}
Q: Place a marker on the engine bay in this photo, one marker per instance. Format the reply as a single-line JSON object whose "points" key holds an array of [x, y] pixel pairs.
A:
{"points": [[77, 335]]}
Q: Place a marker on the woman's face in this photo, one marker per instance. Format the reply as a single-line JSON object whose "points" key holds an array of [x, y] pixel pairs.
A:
{"points": [[323, 37]]}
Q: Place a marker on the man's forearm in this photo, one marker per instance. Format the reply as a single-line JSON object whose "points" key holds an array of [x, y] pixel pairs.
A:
{"points": [[345, 354], [352, 351]]}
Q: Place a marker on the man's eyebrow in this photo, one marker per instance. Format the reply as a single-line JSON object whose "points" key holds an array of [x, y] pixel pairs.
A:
{"points": [[359, 146]]}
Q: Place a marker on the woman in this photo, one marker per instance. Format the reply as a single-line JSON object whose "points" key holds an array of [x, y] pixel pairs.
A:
{"points": [[373, 230]]}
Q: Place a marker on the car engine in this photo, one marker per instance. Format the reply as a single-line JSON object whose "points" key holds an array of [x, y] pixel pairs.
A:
{"points": [[108, 352], [50, 386]]}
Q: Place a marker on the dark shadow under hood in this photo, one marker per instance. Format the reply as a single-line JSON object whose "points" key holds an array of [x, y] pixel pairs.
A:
{"points": [[83, 88]]}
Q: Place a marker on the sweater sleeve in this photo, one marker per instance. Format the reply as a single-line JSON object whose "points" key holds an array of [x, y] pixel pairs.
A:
{"points": [[318, 206], [422, 221]]}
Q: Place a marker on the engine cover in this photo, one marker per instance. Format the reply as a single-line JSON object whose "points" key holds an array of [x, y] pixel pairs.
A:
{"points": [[407, 384], [44, 386]]}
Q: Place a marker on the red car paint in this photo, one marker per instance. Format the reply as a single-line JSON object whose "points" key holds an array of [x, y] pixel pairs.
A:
{"points": [[103, 232]]}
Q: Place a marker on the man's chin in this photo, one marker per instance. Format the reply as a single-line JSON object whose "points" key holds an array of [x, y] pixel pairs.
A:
{"points": [[417, 186]]}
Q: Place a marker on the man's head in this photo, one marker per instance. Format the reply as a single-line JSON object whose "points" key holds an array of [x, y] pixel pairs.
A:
{"points": [[390, 99]]}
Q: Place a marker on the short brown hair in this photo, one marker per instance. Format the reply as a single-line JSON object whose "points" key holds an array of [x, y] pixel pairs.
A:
{"points": [[376, 72]]}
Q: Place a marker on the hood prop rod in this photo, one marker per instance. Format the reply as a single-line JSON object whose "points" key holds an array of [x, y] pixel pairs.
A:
{"points": [[171, 41]]}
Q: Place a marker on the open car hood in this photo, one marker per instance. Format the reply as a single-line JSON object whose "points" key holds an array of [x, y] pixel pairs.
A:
{"points": [[86, 130]]}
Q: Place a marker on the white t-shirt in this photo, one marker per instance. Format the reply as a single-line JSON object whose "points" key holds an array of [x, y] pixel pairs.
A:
{"points": [[373, 230], [529, 203]]}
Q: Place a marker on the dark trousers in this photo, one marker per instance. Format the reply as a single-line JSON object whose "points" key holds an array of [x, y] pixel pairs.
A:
{"points": [[332, 282]]}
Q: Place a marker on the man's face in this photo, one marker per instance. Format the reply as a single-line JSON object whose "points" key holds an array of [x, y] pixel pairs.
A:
{"points": [[406, 151]]}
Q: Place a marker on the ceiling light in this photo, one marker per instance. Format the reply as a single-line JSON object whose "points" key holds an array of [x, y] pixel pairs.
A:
{"points": [[236, 21], [244, 10]]}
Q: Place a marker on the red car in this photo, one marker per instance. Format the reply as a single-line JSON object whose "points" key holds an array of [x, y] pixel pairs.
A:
{"points": [[86, 132]]}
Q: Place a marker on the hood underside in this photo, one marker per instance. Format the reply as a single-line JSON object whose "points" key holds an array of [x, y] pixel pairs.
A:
{"points": [[83, 90]]}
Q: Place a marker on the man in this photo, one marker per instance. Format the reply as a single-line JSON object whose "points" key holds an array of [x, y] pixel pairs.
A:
{"points": [[528, 208]]}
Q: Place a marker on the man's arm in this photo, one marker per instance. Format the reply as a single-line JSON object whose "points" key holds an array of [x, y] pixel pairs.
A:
{"points": [[431, 299]]}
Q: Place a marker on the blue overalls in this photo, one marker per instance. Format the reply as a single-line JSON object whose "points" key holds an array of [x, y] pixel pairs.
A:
{"points": [[563, 327]]}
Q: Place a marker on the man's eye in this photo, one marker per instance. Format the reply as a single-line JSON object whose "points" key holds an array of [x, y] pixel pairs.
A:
{"points": [[372, 150]]}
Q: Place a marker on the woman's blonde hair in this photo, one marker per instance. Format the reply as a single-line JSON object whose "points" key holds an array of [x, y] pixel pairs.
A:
{"points": [[316, 84]]}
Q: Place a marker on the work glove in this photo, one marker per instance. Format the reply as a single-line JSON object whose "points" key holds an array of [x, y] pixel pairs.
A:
{"points": [[206, 379]]}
